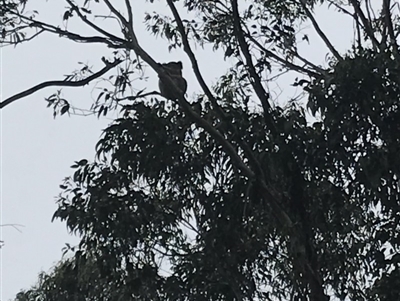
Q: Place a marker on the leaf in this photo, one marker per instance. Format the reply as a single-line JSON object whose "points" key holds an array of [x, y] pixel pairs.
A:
{"points": [[229, 51], [64, 109], [67, 15], [82, 162]]}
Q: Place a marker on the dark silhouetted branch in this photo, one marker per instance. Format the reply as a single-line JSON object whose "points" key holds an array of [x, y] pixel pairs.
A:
{"points": [[367, 26], [320, 32], [60, 83]]}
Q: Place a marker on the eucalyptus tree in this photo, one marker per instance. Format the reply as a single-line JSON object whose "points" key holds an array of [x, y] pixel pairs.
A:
{"points": [[232, 194]]}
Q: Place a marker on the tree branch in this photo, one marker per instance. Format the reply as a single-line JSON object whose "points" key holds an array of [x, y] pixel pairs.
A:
{"points": [[307, 62], [256, 83], [61, 83], [91, 24], [284, 62], [26, 39], [132, 98], [389, 24], [365, 22], [130, 13], [73, 36], [320, 32]]}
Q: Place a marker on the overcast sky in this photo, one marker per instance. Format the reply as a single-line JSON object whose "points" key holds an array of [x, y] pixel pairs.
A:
{"points": [[37, 150]]}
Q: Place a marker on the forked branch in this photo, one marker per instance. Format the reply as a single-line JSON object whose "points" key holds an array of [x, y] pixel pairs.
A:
{"points": [[389, 25], [366, 24]]}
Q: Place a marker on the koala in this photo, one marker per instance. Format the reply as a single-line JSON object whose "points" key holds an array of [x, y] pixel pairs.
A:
{"points": [[174, 70]]}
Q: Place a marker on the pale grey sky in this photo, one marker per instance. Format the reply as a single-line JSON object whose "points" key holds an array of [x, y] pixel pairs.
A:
{"points": [[36, 150]]}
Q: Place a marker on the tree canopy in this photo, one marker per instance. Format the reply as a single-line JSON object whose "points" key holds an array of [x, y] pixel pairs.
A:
{"points": [[229, 193]]}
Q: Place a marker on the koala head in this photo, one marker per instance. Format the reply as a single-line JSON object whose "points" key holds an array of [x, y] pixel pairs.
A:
{"points": [[174, 68]]}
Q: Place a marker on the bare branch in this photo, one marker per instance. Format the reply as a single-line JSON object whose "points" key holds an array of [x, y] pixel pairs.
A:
{"points": [[130, 12], [73, 36], [370, 11], [358, 28], [61, 83], [117, 13], [286, 63], [91, 24], [353, 15], [312, 65], [367, 26], [342, 9], [15, 226], [320, 32], [26, 39], [132, 98]]}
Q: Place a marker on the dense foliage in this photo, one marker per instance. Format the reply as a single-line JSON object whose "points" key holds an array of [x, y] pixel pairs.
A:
{"points": [[229, 196]]}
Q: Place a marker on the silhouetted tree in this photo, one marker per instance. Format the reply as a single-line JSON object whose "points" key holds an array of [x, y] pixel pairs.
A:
{"points": [[228, 195]]}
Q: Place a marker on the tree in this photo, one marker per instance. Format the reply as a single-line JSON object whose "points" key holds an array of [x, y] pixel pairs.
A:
{"points": [[230, 196]]}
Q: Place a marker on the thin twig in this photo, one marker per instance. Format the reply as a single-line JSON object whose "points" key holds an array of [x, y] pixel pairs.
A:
{"points": [[307, 62], [15, 226], [284, 62], [72, 36], [91, 24], [26, 39], [131, 98]]}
